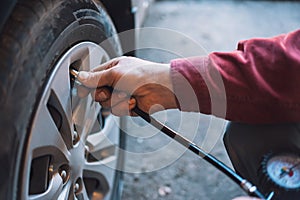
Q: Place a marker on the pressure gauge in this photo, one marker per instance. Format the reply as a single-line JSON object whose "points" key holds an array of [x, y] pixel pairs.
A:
{"points": [[283, 171]]}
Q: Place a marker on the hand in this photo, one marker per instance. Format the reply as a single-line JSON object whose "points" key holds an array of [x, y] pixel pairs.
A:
{"points": [[134, 82]]}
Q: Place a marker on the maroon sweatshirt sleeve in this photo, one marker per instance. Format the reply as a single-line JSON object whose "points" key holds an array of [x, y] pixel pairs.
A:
{"points": [[257, 83]]}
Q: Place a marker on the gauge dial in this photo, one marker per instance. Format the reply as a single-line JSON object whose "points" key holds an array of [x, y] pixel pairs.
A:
{"points": [[284, 170]]}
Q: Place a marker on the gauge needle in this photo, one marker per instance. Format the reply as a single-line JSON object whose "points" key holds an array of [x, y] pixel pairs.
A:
{"points": [[289, 171], [296, 165]]}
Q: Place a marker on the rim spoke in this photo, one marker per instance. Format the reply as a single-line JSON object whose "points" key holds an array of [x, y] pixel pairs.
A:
{"points": [[54, 189], [67, 192], [45, 134], [106, 167], [82, 195], [85, 116], [62, 89], [96, 56], [101, 173], [106, 137]]}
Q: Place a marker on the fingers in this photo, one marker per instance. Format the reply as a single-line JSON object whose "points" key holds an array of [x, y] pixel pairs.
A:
{"points": [[108, 64], [116, 102], [119, 103], [124, 108], [95, 79], [131, 104], [99, 76], [112, 100], [101, 94]]}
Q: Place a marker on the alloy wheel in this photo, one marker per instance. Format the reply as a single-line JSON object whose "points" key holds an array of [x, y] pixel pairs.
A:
{"points": [[72, 150]]}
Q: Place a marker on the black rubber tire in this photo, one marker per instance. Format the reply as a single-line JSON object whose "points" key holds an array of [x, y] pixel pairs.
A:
{"points": [[35, 36]]}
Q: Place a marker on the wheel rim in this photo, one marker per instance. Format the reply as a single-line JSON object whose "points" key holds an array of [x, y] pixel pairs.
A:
{"points": [[71, 152]]}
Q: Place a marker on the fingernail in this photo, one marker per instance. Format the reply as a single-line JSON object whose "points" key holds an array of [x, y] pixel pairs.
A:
{"points": [[122, 95], [82, 75], [131, 101], [102, 95]]}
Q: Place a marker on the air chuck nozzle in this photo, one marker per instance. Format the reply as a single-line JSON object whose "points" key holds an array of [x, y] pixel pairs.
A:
{"points": [[74, 73]]}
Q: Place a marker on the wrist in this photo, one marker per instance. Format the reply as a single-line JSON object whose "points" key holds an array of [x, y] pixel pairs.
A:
{"points": [[165, 80]]}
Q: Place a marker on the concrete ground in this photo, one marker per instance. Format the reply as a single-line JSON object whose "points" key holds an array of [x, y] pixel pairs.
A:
{"points": [[156, 167]]}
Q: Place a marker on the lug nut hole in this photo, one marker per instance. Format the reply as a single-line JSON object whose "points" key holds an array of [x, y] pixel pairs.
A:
{"points": [[64, 172], [78, 186], [76, 136]]}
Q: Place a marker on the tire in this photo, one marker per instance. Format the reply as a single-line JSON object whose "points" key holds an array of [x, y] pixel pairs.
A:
{"points": [[47, 149]]}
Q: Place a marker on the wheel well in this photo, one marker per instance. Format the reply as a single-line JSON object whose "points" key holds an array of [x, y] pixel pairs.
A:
{"points": [[120, 12], [123, 19]]}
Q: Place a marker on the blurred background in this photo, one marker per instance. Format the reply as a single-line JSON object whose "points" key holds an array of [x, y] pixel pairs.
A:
{"points": [[158, 168]]}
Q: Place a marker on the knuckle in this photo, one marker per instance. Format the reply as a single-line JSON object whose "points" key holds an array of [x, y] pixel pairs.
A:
{"points": [[106, 104]]}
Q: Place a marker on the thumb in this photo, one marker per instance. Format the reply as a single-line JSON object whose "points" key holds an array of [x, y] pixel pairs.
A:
{"points": [[94, 79]]}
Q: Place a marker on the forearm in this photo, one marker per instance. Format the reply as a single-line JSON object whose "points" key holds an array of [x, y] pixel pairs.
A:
{"points": [[252, 84]]}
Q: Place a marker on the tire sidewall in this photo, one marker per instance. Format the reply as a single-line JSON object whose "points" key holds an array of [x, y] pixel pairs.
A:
{"points": [[67, 25]]}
